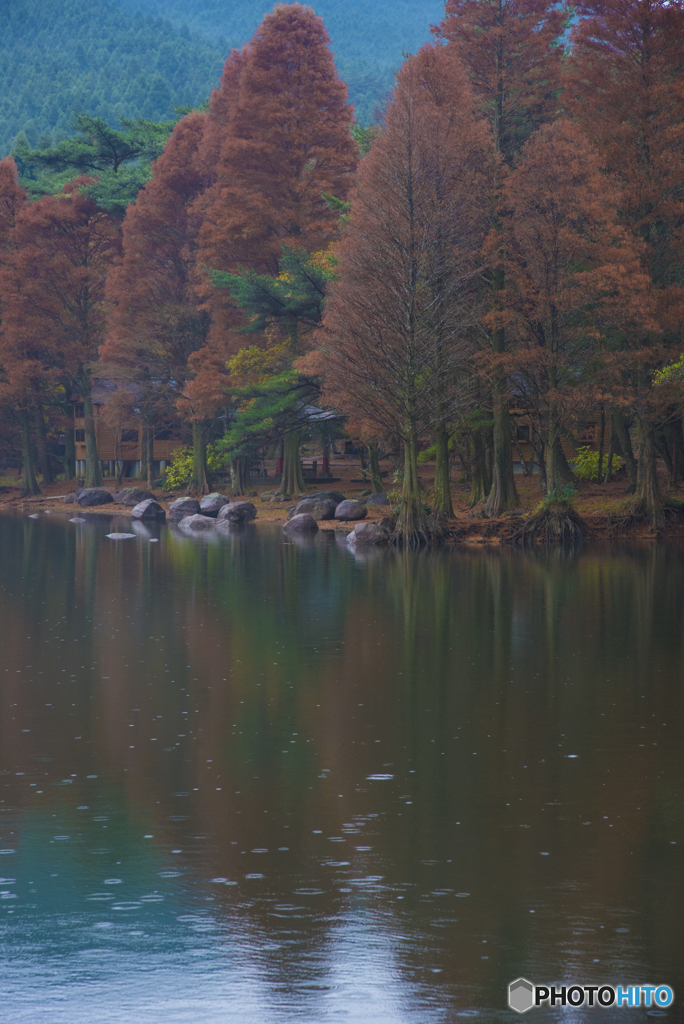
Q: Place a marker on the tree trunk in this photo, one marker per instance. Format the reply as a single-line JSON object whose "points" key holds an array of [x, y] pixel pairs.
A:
{"points": [[148, 454], [69, 445], [41, 446], [602, 437], [411, 528], [557, 469], [609, 461], [623, 437], [93, 473], [443, 505], [238, 475], [648, 489], [292, 481], [29, 484], [503, 494], [675, 437], [374, 469], [199, 484], [480, 482]]}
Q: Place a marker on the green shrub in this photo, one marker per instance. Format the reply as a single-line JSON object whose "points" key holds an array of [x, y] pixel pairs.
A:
{"points": [[586, 464], [179, 472]]}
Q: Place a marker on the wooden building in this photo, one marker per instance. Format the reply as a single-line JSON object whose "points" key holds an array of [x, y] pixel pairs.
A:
{"points": [[122, 444]]}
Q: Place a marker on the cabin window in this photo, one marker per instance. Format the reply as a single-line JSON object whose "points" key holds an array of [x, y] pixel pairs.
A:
{"points": [[129, 436], [522, 433], [166, 434], [79, 435], [79, 412]]}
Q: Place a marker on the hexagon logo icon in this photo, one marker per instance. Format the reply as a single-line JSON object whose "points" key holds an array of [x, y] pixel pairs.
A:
{"points": [[521, 995]]}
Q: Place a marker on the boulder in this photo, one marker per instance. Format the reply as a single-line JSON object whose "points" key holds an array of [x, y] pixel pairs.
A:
{"points": [[365, 534], [132, 496], [72, 498], [316, 507], [148, 509], [196, 523], [303, 523], [211, 504], [351, 510], [94, 496], [335, 496], [183, 507], [237, 512], [377, 499]]}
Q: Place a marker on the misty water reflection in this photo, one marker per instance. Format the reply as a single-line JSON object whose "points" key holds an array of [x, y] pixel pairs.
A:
{"points": [[245, 779]]}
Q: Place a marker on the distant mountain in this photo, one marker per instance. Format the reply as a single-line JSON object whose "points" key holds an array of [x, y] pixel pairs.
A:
{"points": [[368, 36], [140, 58]]}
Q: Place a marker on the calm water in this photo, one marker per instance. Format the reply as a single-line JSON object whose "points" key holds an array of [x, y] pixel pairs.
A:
{"points": [[251, 781]]}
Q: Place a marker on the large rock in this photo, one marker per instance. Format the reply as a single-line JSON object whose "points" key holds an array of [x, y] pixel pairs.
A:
{"points": [[316, 507], [72, 498], [132, 496], [366, 534], [196, 523], [94, 496], [351, 510], [183, 507], [237, 512], [303, 523], [377, 499], [148, 509], [211, 504], [335, 496]]}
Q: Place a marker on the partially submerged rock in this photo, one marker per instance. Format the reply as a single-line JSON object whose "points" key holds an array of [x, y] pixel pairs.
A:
{"points": [[237, 512], [94, 496], [197, 523], [351, 509], [211, 504], [148, 509], [183, 507], [367, 534], [302, 523]]}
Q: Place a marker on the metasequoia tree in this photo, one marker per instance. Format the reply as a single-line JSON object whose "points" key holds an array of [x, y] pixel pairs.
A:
{"points": [[61, 250], [287, 141], [155, 326], [511, 51], [21, 377], [396, 332], [625, 88], [572, 277]]}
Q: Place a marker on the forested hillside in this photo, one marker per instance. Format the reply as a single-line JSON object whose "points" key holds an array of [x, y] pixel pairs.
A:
{"points": [[139, 58], [57, 57], [367, 38]]}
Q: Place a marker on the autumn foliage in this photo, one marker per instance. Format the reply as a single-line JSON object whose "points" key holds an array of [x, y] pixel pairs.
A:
{"points": [[508, 239]]}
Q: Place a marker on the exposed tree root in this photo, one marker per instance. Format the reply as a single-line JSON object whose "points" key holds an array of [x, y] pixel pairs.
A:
{"points": [[556, 522]]}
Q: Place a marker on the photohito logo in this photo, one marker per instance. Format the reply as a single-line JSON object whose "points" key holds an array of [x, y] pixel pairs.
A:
{"points": [[523, 995]]}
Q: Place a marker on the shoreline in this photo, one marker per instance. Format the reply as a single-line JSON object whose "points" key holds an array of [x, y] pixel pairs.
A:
{"points": [[468, 528]]}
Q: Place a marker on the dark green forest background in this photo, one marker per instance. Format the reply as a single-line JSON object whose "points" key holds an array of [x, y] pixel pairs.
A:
{"points": [[141, 58]]}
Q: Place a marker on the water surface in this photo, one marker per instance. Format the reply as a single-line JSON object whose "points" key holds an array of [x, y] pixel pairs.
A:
{"points": [[247, 780]]}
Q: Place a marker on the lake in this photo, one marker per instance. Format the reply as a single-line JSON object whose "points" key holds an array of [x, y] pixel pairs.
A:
{"points": [[248, 780]]}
